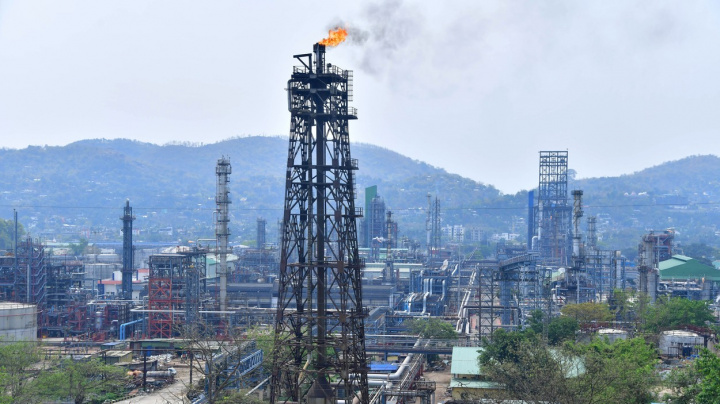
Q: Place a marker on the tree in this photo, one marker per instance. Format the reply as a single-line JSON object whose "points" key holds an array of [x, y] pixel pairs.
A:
{"points": [[683, 385], [708, 366], [7, 233], [701, 252], [622, 306], [535, 321], [588, 312], [560, 329], [527, 369], [698, 383], [80, 380], [598, 372], [79, 248], [431, 328], [241, 397], [216, 361], [619, 372], [264, 338], [667, 314], [16, 362], [505, 346]]}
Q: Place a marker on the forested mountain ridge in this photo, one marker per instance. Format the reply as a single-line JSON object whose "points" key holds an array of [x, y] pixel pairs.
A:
{"points": [[682, 194], [79, 189], [84, 185]]}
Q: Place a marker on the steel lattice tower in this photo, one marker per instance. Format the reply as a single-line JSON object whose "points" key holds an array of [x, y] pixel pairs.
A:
{"points": [[553, 213], [319, 353], [432, 225], [127, 257], [222, 231]]}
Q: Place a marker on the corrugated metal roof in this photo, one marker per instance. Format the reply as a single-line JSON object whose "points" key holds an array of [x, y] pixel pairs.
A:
{"points": [[682, 267], [383, 367], [465, 360]]}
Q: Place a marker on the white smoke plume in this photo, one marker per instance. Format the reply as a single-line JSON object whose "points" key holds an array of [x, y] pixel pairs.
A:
{"points": [[486, 45]]}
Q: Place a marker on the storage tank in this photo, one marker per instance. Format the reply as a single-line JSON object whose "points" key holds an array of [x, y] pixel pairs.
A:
{"points": [[18, 321], [680, 343], [162, 374], [612, 334]]}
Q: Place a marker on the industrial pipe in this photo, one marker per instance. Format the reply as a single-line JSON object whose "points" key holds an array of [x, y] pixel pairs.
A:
{"points": [[122, 327], [398, 373]]}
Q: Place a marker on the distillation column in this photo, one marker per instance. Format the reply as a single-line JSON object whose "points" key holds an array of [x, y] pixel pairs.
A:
{"points": [[578, 258], [127, 256]]}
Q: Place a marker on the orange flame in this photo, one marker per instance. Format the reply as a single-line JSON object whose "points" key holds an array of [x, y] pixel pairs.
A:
{"points": [[335, 37]]}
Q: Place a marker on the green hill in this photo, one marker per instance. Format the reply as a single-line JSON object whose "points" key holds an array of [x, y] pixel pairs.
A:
{"points": [[79, 190], [83, 186]]}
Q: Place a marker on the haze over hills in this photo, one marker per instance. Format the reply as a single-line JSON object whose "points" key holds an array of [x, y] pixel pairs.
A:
{"points": [[78, 190]]}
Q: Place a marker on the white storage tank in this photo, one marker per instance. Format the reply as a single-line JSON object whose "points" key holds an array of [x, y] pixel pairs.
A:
{"points": [[680, 343], [18, 321], [612, 334]]}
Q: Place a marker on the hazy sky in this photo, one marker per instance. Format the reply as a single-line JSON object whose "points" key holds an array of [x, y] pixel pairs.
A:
{"points": [[475, 87]]}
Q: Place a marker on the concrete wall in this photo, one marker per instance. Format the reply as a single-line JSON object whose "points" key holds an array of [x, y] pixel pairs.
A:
{"points": [[18, 321]]}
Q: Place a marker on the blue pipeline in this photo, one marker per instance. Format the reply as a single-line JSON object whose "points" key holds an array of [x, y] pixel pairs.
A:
{"points": [[122, 327]]}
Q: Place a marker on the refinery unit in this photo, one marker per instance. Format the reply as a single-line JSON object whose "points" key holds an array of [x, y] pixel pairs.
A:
{"points": [[340, 283]]}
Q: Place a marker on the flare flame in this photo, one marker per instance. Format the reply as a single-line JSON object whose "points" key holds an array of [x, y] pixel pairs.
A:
{"points": [[335, 37]]}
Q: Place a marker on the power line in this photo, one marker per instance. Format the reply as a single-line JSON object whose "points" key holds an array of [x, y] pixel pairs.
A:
{"points": [[419, 209]]}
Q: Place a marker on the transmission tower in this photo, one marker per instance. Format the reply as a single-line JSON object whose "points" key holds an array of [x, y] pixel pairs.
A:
{"points": [[319, 352]]}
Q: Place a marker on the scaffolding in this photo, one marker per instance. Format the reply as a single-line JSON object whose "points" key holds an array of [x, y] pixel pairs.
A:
{"points": [[592, 238], [488, 311], [319, 350], [552, 212], [260, 233], [432, 226], [23, 275], [376, 225], [64, 286], [606, 271], [175, 287]]}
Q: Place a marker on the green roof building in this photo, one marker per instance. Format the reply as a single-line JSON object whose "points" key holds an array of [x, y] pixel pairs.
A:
{"points": [[687, 277], [680, 267], [468, 382]]}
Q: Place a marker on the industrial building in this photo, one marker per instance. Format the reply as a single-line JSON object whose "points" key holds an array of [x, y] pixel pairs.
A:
{"points": [[682, 276]]}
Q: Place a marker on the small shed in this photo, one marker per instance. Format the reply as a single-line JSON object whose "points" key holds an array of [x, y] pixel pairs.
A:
{"points": [[467, 381], [113, 357]]}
